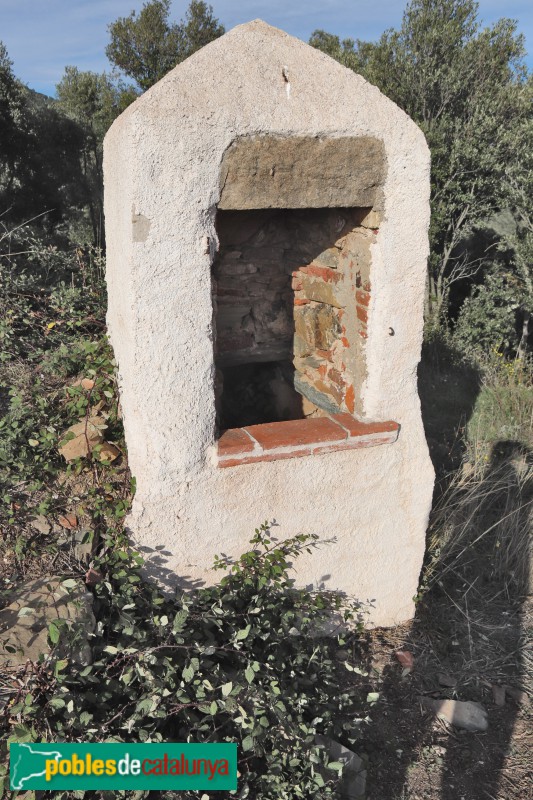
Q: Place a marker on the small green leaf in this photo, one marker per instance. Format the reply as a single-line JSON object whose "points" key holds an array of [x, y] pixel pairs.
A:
{"points": [[249, 674], [59, 666], [243, 633], [20, 734], [179, 620], [53, 633], [226, 689], [247, 743]]}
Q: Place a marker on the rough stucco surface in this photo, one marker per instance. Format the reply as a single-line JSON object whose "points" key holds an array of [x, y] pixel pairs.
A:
{"points": [[162, 164]]}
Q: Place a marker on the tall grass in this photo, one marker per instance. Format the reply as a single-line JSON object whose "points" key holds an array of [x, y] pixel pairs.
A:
{"points": [[484, 519]]}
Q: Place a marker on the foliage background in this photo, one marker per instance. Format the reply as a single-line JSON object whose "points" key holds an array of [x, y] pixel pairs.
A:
{"points": [[238, 661]]}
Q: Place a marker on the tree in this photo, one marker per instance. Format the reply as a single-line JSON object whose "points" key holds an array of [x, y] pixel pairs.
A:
{"points": [[146, 46], [39, 176], [346, 52], [466, 87], [11, 112], [520, 180], [92, 101], [49, 176]]}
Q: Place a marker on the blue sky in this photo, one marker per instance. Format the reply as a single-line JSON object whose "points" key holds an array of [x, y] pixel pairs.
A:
{"points": [[44, 36]]}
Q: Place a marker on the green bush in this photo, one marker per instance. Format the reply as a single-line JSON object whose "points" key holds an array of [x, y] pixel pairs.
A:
{"points": [[488, 318], [503, 410], [52, 331], [241, 661]]}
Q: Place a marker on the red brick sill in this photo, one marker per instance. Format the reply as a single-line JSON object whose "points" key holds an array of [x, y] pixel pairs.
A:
{"points": [[301, 437]]}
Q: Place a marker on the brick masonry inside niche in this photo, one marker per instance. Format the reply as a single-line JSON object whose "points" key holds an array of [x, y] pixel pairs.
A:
{"points": [[291, 296]]}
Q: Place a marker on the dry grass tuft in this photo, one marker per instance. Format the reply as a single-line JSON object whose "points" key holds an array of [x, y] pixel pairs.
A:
{"points": [[485, 515], [488, 516]]}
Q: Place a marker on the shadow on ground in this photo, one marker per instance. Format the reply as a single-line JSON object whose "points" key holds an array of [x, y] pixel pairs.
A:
{"points": [[472, 628]]}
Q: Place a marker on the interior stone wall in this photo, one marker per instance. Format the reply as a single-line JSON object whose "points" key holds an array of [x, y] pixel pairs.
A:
{"points": [[331, 300], [252, 284], [294, 286]]}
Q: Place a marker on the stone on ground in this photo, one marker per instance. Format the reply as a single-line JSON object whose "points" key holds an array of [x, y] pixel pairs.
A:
{"points": [[462, 714], [25, 622], [352, 785]]}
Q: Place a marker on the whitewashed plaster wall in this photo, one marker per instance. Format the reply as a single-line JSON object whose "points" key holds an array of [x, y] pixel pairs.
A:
{"points": [[161, 160]]}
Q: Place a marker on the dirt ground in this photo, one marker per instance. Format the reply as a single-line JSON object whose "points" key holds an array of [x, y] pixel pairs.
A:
{"points": [[472, 636], [470, 640], [413, 755]]}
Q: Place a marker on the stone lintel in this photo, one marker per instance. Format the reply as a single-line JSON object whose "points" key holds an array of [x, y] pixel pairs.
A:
{"points": [[302, 172]]}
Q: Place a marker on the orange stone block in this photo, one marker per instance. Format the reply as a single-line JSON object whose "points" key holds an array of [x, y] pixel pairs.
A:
{"points": [[296, 433], [362, 297], [335, 376], [357, 427], [325, 273], [234, 441], [349, 398], [362, 314]]}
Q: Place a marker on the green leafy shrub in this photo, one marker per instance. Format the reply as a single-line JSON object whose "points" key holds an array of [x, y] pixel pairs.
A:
{"points": [[52, 331], [488, 318], [38, 408], [239, 661], [503, 410]]}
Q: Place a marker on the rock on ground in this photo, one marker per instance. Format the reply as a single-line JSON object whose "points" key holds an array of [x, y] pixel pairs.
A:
{"points": [[352, 785], [463, 714], [24, 623]]}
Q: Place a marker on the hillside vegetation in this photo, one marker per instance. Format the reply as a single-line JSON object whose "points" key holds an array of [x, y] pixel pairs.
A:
{"points": [[242, 660]]}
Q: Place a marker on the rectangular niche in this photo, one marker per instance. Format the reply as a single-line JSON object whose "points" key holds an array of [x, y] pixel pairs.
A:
{"points": [[291, 293]]}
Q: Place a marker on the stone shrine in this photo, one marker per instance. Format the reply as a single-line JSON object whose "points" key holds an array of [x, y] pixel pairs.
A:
{"points": [[266, 218]]}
